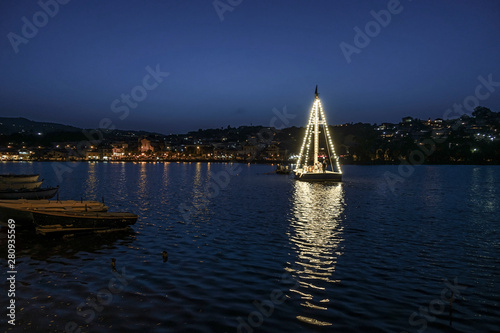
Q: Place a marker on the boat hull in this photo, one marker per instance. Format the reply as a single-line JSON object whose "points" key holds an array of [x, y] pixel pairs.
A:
{"points": [[36, 194], [21, 210], [48, 222], [327, 176], [13, 178], [19, 186]]}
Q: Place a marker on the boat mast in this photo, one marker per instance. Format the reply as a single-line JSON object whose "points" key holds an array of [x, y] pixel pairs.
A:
{"points": [[317, 117], [316, 126]]}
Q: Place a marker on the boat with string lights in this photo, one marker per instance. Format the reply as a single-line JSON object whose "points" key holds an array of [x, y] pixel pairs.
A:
{"points": [[320, 163]]}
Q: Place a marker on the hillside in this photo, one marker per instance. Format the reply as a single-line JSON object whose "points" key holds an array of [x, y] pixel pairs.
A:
{"points": [[10, 126]]}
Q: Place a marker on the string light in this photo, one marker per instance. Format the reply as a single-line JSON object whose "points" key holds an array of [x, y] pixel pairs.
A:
{"points": [[316, 117], [306, 138]]}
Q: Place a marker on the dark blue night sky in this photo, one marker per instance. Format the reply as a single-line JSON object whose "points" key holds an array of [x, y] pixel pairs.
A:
{"points": [[82, 63]]}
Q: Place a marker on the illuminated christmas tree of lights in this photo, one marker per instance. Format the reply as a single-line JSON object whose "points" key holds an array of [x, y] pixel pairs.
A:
{"points": [[317, 118]]}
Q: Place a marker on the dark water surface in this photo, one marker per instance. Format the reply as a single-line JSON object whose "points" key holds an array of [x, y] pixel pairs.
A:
{"points": [[257, 252]]}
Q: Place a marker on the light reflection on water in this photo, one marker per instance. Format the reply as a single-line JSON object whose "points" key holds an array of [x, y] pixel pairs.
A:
{"points": [[198, 190], [165, 178], [91, 183], [316, 233], [143, 180], [484, 189], [121, 181], [359, 259]]}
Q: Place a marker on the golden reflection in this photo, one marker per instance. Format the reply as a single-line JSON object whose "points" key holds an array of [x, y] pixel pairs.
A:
{"points": [[120, 185], [432, 186], [165, 178], [142, 180], [91, 183], [316, 232], [201, 191], [312, 321], [197, 175]]}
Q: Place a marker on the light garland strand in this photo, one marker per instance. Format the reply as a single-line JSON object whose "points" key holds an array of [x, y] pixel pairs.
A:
{"points": [[306, 138], [316, 107], [332, 147]]}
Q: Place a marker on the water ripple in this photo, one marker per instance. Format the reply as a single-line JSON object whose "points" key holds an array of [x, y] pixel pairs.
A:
{"points": [[350, 257]]}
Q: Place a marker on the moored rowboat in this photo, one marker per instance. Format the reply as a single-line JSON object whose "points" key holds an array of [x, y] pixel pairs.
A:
{"points": [[36, 194], [13, 178], [21, 210], [64, 222], [11, 186]]}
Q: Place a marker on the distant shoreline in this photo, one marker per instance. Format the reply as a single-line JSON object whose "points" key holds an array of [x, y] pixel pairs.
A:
{"points": [[251, 162]]}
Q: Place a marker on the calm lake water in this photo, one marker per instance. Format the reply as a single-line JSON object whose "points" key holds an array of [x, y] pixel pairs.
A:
{"points": [[249, 251]]}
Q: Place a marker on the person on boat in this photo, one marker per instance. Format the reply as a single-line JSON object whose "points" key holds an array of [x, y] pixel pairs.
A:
{"points": [[324, 166]]}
